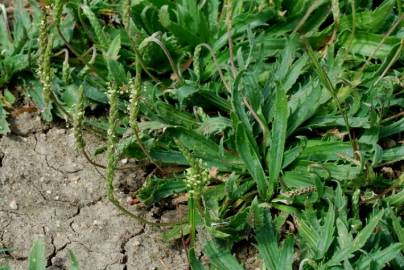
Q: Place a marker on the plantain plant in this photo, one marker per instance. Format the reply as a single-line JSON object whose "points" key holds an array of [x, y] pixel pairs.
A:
{"points": [[279, 118]]}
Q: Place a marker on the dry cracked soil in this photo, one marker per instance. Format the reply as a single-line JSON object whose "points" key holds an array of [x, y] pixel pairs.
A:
{"points": [[48, 191]]}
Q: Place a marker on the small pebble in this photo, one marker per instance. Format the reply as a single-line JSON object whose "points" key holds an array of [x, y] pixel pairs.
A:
{"points": [[13, 204], [48, 192], [124, 161], [75, 226], [75, 179], [60, 131]]}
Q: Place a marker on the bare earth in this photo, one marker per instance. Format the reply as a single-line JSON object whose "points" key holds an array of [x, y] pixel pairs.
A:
{"points": [[48, 191]]}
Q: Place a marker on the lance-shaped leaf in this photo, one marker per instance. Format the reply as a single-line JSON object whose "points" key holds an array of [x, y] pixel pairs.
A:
{"points": [[220, 257], [251, 158], [274, 156]]}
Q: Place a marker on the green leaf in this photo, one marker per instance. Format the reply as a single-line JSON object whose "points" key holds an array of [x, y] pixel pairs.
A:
{"points": [[322, 151], [155, 189], [4, 127], [215, 125], [395, 199], [287, 58], [393, 128], [367, 44], [398, 228], [36, 260], [193, 261], [238, 108], [292, 154], [294, 72], [275, 256], [114, 48], [393, 154], [170, 115], [251, 159], [344, 237], [381, 257], [220, 257], [371, 21], [5, 39], [116, 72], [94, 94], [304, 103], [181, 32], [367, 231], [184, 92], [360, 240], [74, 264], [308, 234], [333, 121], [327, 232], [278, 137], [95, 23], [206, 149], [9, 97]]}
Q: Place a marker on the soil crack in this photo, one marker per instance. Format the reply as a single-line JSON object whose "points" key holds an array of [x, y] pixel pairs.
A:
{"points": [[58, 169], [82, 206], [78, 211], [55, 250], [126, 237], [1, 158]]}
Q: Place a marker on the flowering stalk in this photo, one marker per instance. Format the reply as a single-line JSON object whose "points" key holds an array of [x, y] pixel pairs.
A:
{"points": [[57, 11], [126, 14], [112, 156], [66, 68], [112, 138], [78, 118], [197, 177], [196, 62], [99, 33], [135, 88], [45, 42]]}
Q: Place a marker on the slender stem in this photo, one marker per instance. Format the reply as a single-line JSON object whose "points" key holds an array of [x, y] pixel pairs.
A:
{"points": [[229, 14], [306, 15], [388, 33], [216, 63], [168, 55], [353, 33], [70, 47], [113, 158], [395, 57], [143, 220], [393, 117], [329, 86], [192, 219]]}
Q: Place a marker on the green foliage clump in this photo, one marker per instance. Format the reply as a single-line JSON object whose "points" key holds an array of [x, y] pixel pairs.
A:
{"points": [[282, 131]]}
